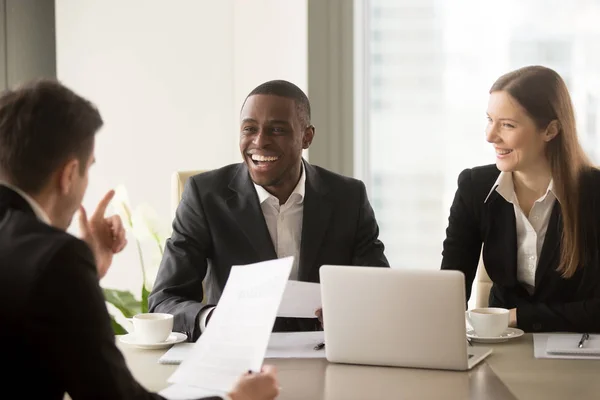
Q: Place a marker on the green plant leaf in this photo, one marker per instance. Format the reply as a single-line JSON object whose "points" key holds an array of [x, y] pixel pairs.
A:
{"points": [[117, 328], [145, 293], [123, 301]]}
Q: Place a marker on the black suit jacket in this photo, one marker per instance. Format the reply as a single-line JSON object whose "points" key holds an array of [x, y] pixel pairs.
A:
{"points": [[55, 327], [219, 223], [557, 304]]}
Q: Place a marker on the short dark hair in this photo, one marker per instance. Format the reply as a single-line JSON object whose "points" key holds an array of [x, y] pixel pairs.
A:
{"points": [[42, 125], [289, 90]]}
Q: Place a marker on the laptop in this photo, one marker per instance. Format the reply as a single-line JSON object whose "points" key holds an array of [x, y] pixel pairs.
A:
{"points": [[396, 317]]}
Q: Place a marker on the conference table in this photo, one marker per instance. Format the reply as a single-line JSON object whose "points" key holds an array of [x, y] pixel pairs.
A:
{"points": [[511, 372]]}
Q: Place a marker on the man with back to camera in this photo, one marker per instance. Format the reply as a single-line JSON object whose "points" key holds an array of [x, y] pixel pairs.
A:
{"points": [[273, 205], [54, 318]]}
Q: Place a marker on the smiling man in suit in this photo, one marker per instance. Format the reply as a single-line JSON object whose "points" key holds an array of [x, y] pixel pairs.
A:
{"points": [[273, 205]]}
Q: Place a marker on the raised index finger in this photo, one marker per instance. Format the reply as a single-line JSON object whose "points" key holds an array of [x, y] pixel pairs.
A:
{"points": [[103, 205]]}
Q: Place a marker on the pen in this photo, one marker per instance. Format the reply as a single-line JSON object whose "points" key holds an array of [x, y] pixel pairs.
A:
{"points": [[320, 346], [584, 337]]}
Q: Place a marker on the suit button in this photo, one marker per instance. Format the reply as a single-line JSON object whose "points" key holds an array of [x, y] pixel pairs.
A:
{"points": [[537, 326]]}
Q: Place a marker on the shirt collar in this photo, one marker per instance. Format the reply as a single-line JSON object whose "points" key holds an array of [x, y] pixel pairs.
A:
{"points": [[37, 209], [504, 185], [297, 194]]}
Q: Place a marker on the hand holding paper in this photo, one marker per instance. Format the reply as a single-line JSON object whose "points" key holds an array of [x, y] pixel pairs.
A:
{"points": [[319, 315], [300, 300], [236, 339], [257, 386]]}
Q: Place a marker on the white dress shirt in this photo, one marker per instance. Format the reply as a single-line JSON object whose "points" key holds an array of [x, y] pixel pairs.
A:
{"points": [[531, 230], [284, 222], [37, 209]]}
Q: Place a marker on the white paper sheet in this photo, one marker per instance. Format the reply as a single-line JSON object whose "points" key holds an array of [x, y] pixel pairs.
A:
{"points": [[176, 354], [540, 342], [281, 345], [300, 300], [295, 345], [183, 392], [236, 339], [567, 344]]}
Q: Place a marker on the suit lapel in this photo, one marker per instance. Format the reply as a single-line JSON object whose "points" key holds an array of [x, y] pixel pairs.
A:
{"points": [[246, 211], [501, 236], [551, 244], [315, 220]]}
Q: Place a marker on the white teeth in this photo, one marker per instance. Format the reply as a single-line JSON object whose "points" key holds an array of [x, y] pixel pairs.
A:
{"points": [[258, 157], [502, 152]]}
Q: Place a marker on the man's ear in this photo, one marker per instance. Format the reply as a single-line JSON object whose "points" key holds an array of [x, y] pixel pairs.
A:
{"points": [[307, 138], [66, 175], [552, 130]]}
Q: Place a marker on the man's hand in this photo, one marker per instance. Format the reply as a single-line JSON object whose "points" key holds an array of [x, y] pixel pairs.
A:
{"points": [[512, 319], [262, 386], [105, 236], [319, 314]]}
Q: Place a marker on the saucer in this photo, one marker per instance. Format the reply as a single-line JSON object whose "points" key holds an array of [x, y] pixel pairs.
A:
{"points": [[174, 337], [510, 333]]}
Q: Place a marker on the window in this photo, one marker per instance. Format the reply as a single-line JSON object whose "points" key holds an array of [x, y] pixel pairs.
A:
{"points": [[428, 67]]}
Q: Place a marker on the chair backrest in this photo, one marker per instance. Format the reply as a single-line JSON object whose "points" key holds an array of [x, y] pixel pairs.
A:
{"points": [[484, 285], [178, 180]]}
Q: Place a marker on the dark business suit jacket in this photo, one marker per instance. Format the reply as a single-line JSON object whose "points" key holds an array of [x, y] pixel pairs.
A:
{"points": [[55, 327], [557, 304], [219, 223]]}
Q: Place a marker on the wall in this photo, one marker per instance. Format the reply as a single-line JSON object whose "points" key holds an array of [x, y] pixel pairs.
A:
{"points": [[27, 45], [169, 79], [331, 86], [271, 42]]}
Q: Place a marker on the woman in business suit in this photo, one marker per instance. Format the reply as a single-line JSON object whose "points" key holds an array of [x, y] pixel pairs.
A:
{"points": [[536, 211]]}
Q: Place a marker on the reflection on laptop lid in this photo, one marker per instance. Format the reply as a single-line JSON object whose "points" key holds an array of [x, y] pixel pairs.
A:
{"points": [[396, 317]]}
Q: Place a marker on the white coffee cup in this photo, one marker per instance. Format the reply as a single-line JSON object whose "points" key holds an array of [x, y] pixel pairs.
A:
{"points": [[488, 322], [152, 327]]}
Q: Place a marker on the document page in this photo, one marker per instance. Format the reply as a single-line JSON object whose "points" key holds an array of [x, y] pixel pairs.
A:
{"points": [[300, 300], [237, 335], [176, 354], [183, 392], [295, 345], [281, 345], [552, 345]]}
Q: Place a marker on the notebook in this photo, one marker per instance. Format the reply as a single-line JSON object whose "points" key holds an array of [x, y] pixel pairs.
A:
{"points": [[176, 353], [567, 344]]}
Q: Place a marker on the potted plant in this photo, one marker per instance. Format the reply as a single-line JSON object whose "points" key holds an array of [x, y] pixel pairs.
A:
{"points": [[143, 224]]}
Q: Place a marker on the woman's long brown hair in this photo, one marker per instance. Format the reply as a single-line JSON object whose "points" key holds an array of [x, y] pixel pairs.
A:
{"points": [[544, 95]]}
